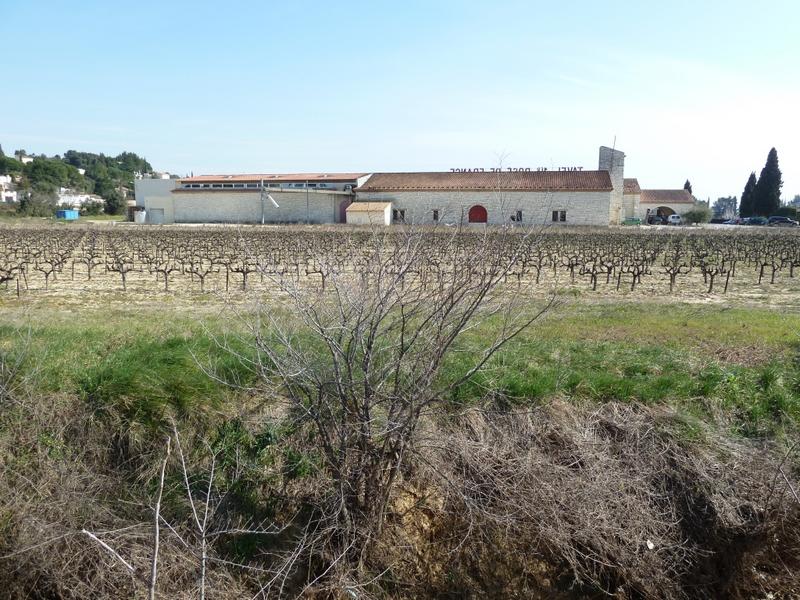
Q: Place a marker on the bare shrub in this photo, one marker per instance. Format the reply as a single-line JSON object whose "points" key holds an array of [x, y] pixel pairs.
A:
{"points": [[359, 361]]}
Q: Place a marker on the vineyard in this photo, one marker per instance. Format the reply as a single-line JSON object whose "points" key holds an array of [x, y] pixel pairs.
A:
{"points": [[229, 260], [399, 413]]}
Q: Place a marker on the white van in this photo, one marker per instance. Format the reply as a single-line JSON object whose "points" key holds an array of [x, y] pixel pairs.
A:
{"points": [[674, 220]]}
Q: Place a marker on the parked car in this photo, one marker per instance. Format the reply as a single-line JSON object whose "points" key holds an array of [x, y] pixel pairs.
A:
{"points": [[674, 220], [656, 220], [778, 221], [756, 221], [734, 221]]}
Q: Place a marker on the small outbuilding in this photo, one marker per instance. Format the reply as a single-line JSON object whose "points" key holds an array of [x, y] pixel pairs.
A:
{"points": [[369, 213]]}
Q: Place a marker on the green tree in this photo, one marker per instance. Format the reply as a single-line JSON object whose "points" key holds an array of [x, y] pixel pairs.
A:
{"points": [[789, 211], [688, 186], [114, 202], [130, 163], [41, 201], [97, 171], [699, 214], [725, 208], [746, 205], [9, 165], [92, 208], [53, 172], [767, 196]]}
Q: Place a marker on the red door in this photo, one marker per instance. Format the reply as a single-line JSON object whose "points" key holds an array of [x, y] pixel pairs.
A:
{"points": [[343, 211], [477, 214]]}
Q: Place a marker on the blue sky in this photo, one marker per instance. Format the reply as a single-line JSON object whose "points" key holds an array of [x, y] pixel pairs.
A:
{"points": [[688, 89]]}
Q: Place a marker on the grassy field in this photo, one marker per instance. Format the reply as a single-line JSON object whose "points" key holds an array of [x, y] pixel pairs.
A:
{"points": [[706, 359], [9, 216]]}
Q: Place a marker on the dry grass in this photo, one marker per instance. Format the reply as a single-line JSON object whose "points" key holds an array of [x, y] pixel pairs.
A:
{"points": [[570, 501]]}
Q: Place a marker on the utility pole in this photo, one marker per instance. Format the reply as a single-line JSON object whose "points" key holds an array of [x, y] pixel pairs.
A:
{"points": [[262, 201]]}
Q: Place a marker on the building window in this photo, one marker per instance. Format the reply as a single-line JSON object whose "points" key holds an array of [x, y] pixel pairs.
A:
{"points": [[399, 215], [436, 214], [559, 216]]}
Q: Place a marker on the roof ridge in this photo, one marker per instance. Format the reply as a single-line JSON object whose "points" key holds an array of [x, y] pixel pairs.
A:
{"points": [[598, 180]]}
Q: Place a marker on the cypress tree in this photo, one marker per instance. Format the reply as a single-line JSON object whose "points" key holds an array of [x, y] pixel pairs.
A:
{"points": [[767, 196], [746, 205], [688, 186]]}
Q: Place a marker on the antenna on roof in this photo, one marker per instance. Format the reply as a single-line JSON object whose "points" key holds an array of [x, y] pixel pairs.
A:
{"points": [[613, 150]]}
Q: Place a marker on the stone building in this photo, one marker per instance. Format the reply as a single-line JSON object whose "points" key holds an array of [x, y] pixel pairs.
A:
{"points": [[571, 196], [504, 197]]}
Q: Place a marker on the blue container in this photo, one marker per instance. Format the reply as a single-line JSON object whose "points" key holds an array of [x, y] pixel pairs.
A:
{"points": [[67, 215]]}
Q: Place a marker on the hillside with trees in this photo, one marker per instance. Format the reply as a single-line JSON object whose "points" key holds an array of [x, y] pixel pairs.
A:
{"points": [[39, 180]]}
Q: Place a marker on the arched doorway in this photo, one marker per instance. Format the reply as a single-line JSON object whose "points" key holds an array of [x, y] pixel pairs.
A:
{"points": [[658, 216], [477, 214]]}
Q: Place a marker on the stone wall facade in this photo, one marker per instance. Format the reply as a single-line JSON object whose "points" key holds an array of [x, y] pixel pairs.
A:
{"points": [[582, 208], [630, 206], [246, 207]]}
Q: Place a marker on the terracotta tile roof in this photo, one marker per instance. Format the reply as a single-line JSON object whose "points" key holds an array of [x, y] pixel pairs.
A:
{"points": [[631, 186], [362, 206], [537, 181], [256, 177], [666, 197]]}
